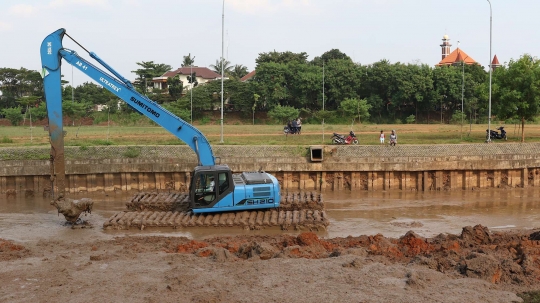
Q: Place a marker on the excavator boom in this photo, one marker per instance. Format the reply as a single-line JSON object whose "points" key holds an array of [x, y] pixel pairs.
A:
{"points": [[213, 187]]}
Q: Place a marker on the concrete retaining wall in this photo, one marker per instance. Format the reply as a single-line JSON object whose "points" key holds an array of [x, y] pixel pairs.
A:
{"points": [[405, 167]]}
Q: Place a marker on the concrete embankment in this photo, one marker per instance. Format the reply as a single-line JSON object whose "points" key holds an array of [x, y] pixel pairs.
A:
{"points": [[404, 167]]}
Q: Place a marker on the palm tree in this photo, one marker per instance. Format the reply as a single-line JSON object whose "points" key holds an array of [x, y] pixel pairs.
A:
{"points": [[188, 60], [226, 67], [238, 71]]}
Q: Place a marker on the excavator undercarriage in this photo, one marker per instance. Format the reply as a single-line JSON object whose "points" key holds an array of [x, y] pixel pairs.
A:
{"points": [[297, 211]]}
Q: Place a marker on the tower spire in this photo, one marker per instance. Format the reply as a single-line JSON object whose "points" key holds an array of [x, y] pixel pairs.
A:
{"points": [[445, 46]]}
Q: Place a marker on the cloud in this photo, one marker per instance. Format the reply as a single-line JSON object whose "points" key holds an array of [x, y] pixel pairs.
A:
{"points": [[135, 3], [94, 3], [22, 10], [4, 26], [256, 6]]}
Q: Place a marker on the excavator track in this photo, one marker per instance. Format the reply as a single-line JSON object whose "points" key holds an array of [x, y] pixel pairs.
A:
{"points": [[297, 211]]}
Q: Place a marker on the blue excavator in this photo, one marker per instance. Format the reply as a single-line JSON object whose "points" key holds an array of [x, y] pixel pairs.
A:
{"points": [[213, 188]]}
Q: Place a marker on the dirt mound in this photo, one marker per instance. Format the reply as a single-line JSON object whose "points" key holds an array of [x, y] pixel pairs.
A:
{"points": [[509, 258], [11, 251]]}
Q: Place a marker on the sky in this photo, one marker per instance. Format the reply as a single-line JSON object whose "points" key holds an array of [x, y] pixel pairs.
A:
{"points": [[123, 32]]}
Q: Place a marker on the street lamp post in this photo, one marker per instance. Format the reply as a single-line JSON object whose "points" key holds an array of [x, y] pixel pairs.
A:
{"points": [[462, 94], [191, 89], [323, 101], [488, 140], [222, 63]]}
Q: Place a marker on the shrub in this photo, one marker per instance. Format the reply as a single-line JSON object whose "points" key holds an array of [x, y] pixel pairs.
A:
{"points": [[283, 113], [204, 120], [101, 142], [410, 119], [457, 117], [6, 140], [13, 114], [132, 152]]}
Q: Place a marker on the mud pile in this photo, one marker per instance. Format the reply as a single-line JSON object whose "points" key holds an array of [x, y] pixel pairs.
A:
{"points": [[72, 209], [11, 251], [501, 258]]}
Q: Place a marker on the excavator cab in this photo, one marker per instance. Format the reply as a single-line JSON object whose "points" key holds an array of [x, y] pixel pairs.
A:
{"points": [[211, 185]]}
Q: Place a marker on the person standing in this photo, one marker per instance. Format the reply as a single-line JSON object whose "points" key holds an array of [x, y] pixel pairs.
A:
{"points": [[294, 127], [299, 124], [393, 138], [381, 137]]}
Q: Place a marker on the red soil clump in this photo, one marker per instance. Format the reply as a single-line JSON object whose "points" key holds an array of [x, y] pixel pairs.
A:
{"points": [[509, 257], [7, 246], [191, 246], [10, 250]]}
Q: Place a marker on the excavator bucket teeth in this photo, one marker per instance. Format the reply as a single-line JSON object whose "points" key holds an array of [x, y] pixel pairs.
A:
{"points": [[297, 211]]}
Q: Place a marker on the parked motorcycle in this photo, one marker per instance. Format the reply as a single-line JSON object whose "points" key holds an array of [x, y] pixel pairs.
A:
{"points": [[496, 135], [289, 130], [341, 139]]}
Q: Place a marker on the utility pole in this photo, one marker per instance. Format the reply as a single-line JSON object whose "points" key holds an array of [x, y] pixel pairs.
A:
{"points": [[191, 89], [323, 101], [488, 140], [222, 63]]}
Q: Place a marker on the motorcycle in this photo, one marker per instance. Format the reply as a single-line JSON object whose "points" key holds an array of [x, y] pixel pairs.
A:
{"points": [[495, 134], [341, 139], [289, 130]]}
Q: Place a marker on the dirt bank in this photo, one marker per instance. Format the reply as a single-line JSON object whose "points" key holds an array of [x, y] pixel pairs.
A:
{"points": [[474, 266]]}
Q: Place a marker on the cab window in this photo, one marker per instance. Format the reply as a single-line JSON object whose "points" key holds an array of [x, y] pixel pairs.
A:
{"points": [[223, 182]]}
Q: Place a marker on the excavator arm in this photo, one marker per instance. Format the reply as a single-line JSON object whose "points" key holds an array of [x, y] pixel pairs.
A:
{"points": [[52, 52], [230, 192]]}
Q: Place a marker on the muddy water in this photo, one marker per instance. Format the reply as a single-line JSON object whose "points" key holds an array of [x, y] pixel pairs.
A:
{"points": [[351, 213], [428, 214]]}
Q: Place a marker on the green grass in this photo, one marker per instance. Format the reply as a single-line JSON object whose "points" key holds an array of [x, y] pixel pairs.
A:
{"points": [[530, 297], [5, 139], [261, 134]]}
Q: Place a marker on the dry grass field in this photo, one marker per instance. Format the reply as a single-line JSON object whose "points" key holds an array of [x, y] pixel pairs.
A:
{"points": [[263, 134]]}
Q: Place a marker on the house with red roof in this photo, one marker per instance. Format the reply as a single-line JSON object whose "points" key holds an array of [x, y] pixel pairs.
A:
{"points": [[248, 76], [202, 76]]}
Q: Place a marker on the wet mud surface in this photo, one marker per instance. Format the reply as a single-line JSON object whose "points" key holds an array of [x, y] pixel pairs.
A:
{"points": [[379, 247]]}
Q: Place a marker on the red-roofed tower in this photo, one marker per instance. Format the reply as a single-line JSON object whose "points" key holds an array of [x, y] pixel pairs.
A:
{"points": [[445, 46], [495, 63]]}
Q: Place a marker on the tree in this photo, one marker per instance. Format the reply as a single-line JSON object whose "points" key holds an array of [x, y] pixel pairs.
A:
{"points": [[333, 54], [16, 83], [76, 110], [88, 92], [238, 71], [148, 71], [256, 98], [283, 113], [180, 109], [13, 114], [353, 108], [193, 79], [447, 86], [272, 83], [342, 81], [227, 68], [517, 90], [188, 60], [175, 87], [380, 86], [281, 57], [28, 103]]}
